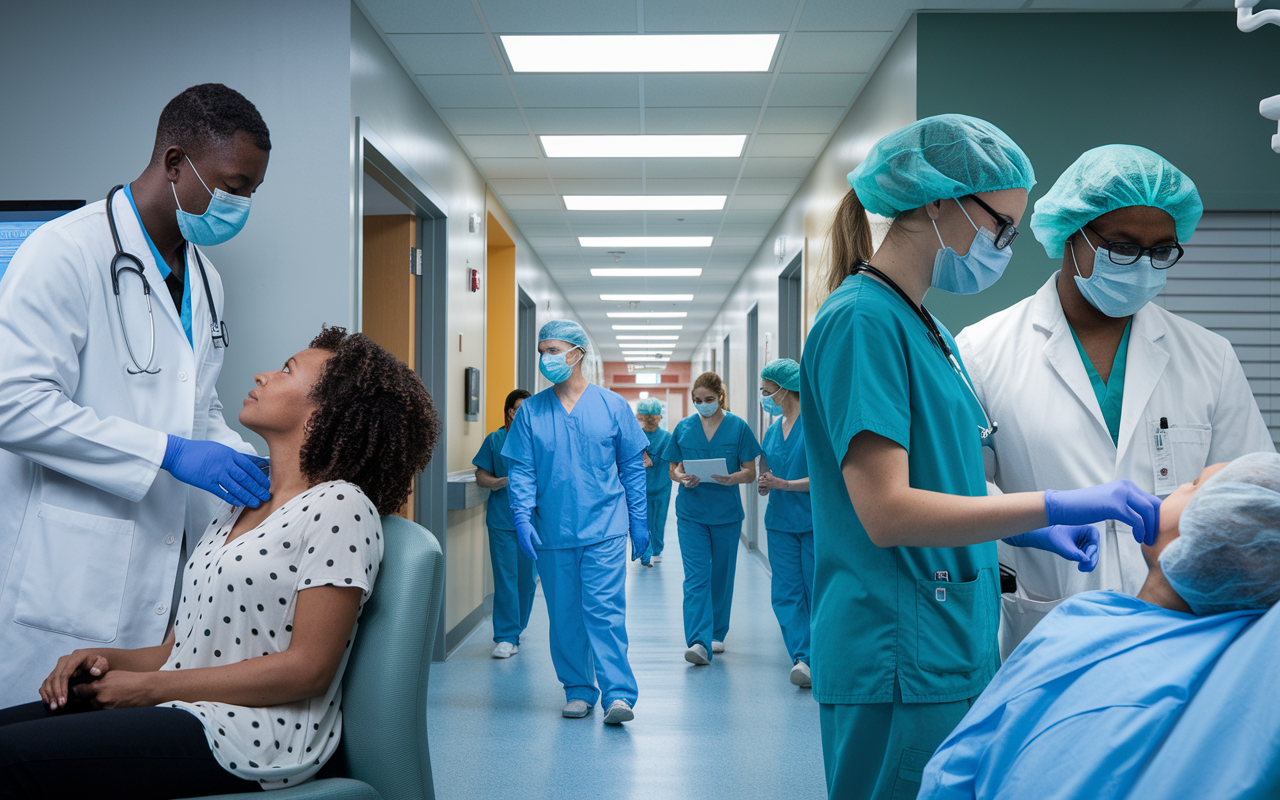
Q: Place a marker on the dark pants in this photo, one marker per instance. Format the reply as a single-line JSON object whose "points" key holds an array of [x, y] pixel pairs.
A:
{"points": [[135, 753]]}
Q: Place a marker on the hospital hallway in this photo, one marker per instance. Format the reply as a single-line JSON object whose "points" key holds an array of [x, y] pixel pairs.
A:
{"points": [[734, 729]]}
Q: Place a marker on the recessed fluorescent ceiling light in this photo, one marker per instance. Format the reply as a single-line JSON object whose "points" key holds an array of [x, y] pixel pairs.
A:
{"points": [[647, 348], [646, 298], [656, 338], [645, 241], [642, 145], [645, 358], [646, 272], [648, 314], [741, 52], [648, 327], [644, 202]]}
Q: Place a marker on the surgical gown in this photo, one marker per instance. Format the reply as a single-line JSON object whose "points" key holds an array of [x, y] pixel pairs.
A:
{"points": [[514, 578], [788, 520], [658, 489]]}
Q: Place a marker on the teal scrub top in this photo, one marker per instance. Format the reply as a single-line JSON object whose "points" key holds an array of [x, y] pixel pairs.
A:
{"points": [[925, 617], [709, 503], [497, 513], [791, 512], [185, 312], [658, 477], [1110, 393]]}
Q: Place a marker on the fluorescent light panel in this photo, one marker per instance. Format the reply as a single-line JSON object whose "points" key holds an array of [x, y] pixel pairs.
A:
{"points": [[646, 359], [648, 327], [646, 298], [625, 337], [648, 314], [646, 272], [644, 202], [645, 241], [740, 52], [645, 145]]}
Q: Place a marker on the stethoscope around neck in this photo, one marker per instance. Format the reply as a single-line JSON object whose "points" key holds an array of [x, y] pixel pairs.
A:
{"points": [[127, 262], [936, 335]]}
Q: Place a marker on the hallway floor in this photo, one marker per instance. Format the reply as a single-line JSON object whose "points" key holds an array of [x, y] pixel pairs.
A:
{"points": [[735, 729]]}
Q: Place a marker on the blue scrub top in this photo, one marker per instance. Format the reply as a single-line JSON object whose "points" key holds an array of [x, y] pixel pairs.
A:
{"points": [[498, 508], [791, 512], [1109, 393], [1083, 703], [710, 503], [658, 477], [564, 467], [879, 616]]}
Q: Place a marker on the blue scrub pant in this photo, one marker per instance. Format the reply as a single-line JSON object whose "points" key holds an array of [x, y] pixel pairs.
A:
{"points": [[587, 602], [514, 582], [791, 559], [659, 505], [877, 751], [710, 555]]}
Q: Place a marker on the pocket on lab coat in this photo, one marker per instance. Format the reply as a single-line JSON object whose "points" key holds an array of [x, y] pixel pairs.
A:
{"points": [[1190, 445], [953, 625], [1018, 616], [73, 578]]}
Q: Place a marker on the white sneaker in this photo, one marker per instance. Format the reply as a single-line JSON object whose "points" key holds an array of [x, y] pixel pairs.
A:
{"points": [[505, 650], [576, 709], [657, 559], [697, 655], [618, 713], [717, 647], [800, 675]]}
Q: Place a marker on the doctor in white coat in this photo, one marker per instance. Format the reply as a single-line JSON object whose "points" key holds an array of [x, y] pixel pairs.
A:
{"points": [[101, 447], [1089, 382]]}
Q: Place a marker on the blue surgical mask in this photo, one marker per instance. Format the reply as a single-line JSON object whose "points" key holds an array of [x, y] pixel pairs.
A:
{"points": [[974, 271], [1115, 290], [554, 368], [770, 405], [223, 219], [707, 409]]}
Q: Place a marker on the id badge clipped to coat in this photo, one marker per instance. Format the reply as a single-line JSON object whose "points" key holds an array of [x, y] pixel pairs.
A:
{"points": [[1165, 477]]}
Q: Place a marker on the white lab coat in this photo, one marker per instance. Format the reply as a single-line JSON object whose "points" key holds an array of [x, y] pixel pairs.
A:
{"points": [[1028, 373], [91, 533]]}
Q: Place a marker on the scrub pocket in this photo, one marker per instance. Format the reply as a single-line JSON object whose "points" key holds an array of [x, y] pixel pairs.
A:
{"points": [[910, 773], [953, 625], [74, 573]]}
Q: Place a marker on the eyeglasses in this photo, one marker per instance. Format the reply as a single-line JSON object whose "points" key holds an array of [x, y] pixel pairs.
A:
{"points": [[1007, 232], [1125, 253]]}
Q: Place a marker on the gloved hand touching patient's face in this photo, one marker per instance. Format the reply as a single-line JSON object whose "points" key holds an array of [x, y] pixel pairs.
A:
{"points": [[225, 473], [1120, 500], [1077, 543]]}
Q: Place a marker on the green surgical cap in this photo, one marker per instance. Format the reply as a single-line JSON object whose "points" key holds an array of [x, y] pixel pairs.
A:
{"points": [[939, 158], [784, 372], [650, 405], [564, 330], [1107, 178]]}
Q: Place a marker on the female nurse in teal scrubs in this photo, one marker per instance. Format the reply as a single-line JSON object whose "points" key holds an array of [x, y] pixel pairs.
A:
{"points": [[905, 580], [657, 476], [709, 515]]}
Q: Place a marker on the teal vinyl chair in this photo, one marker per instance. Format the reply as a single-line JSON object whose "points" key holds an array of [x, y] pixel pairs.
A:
{"points": [[383, 754]]}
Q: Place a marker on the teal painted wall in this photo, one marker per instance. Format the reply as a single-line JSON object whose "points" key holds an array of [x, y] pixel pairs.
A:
{"points": [[1186, 85]]}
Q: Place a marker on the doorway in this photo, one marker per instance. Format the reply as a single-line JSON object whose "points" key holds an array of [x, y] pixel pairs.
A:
{"points": [[526, 342], [755, 508], [791, 308], [501, 327]]}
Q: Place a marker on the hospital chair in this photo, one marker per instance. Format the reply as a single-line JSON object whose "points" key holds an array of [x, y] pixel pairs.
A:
{"points": [[383, 754]]}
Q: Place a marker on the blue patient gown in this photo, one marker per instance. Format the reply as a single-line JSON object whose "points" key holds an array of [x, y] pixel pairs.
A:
{"points": [[658, 489], [1083, 702], [579, 478], [514, 581]]}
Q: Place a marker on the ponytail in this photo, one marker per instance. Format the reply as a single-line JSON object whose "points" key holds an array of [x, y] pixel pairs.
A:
{"points": [[849, 242]]}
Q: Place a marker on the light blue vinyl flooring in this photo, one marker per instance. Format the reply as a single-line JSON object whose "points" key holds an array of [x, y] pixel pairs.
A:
{"points": [[735, 729]]}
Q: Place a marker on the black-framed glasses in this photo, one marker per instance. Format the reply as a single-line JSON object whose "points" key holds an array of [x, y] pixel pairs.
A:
{"points": [[1125, 253], [1007, 232]]}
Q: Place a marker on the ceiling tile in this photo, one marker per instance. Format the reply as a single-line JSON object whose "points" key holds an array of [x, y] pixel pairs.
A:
{"points": [[483, 120], [415, 16], [498, 168], [583, 120], [787, 145], [768, 185], [577, 91], [832, 89], [593, 168], [692, 168], [689, 185], [751, 215], [587, 218], [755, 230], [735, 16], [709, 90], [777, 167], [503, 188], [446, 53], [467, 91], [842, 51], [599, 186], [699, 120], [564, 16], [1100, 5], [811, 119], [761, 202], [530, 202], [478, 146], [853, 15], [525, 217]]}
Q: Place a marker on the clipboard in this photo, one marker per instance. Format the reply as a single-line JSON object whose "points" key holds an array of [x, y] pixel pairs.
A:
{"points": [[704, 468]]}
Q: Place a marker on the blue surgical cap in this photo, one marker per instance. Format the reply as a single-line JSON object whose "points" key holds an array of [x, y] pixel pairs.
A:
{"points": [[1107, 178], [650, 405], [939, 158], [564, 330], [1227, 556], [784, 372]]}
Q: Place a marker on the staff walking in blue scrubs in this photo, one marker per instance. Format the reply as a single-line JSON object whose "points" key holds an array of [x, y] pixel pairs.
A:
{"points": [[709, 515], [657, 477], [514, 578], [788, 519], [577, 484]]}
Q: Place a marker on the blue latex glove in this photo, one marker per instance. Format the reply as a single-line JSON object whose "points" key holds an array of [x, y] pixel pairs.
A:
{"points": [[527, 537], [639, 541], [1077, 543], [1119, 500], [219, 470]]}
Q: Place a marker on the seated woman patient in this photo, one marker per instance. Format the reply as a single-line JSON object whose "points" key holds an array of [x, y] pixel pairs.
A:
{"points": [[245, 693], [1087, 698]]}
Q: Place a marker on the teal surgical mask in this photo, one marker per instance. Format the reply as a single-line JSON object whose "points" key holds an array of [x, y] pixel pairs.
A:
{"points": [[223, 219], [554, 367], [1114, 290], [770, 405], [707, 409], [974, 271]]}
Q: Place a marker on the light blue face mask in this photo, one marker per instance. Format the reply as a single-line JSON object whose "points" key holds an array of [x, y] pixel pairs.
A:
{"points": [[223, 219], [1114, 290], [770, 405], [553, 366], [974, 271], [707, 409]]}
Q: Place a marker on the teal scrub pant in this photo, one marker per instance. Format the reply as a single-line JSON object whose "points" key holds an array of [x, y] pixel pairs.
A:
{"points": [[877, 751], [514, 583], [586, 596], [710, 555], [791, 559], [659, 505]]}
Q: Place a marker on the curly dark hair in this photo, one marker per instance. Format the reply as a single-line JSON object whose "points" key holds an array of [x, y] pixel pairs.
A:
{"points": [[374, 424], [208, 114]]}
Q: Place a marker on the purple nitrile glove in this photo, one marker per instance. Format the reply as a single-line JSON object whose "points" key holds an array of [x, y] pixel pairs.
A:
{"points": [[225, 473], [1077, 543], [1120, 500], [527, 538]]}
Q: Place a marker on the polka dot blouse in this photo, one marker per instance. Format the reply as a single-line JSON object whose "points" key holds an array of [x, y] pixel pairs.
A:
{"points": [[238, 601]]}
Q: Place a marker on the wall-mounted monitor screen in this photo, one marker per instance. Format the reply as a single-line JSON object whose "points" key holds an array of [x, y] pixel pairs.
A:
{"points": [[18, 218]]}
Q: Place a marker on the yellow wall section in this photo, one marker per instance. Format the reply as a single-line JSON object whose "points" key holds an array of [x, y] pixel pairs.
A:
{"points": [[500, 316]]}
